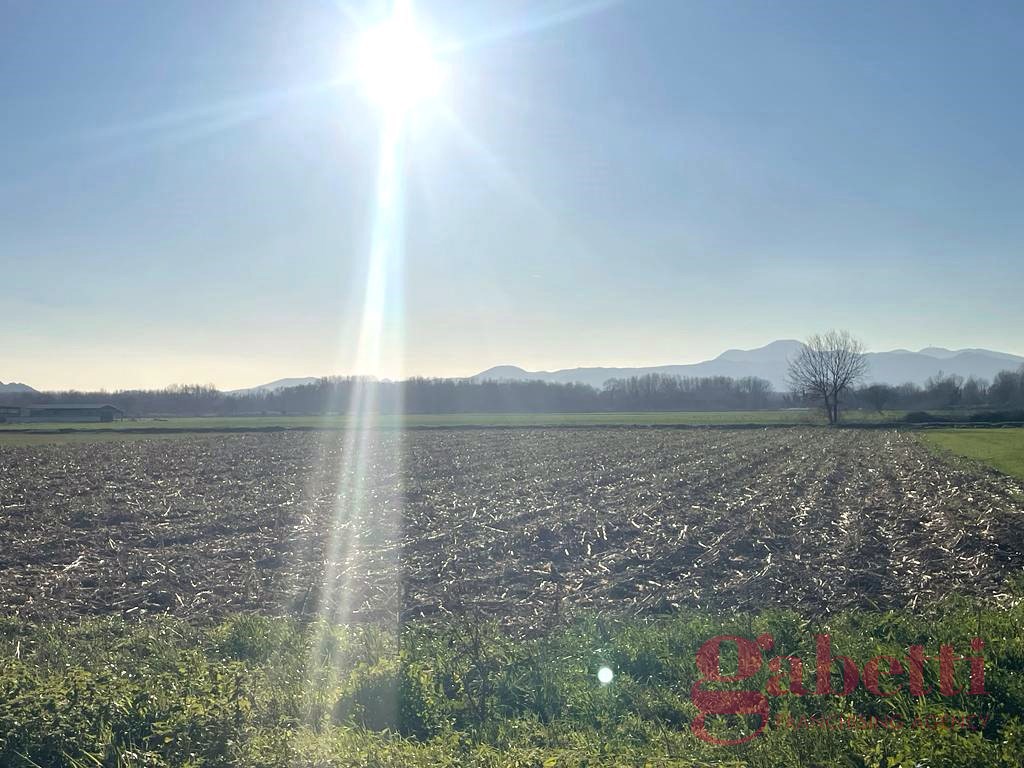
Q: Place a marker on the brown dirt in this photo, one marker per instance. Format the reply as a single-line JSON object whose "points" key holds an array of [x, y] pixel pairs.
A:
{"points": [[516, 524]]}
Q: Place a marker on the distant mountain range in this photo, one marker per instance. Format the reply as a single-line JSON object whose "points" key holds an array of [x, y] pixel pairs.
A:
{"points": [[770, 362], [14, 386]]}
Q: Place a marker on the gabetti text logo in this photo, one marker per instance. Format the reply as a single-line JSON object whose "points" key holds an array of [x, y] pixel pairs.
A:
{"points": [[786, 676]]}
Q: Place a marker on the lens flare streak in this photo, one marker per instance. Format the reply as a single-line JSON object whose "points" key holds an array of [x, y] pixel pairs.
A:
{"points": [[370, 456]]}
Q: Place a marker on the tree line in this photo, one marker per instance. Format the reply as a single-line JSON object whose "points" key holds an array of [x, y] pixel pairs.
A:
{"points": [[651, 392], [946, 391], [427, 395]]}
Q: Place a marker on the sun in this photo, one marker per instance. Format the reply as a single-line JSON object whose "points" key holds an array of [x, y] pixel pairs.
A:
{"points": [[396, 63]]}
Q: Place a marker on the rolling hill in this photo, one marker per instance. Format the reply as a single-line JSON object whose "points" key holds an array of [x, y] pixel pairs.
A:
{"points": [[273, 386]]}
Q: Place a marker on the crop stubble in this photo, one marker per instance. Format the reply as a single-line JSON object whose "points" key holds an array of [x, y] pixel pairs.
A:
{"points": [[520, 525]]}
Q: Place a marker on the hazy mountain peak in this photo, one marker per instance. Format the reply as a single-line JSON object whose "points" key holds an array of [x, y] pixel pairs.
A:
{"points": [[781, 349], [940, 352], [15, 386], [501, 372], [273, 386], [990, 353]]}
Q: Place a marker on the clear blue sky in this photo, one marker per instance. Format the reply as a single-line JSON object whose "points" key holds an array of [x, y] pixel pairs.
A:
{"points": [[186, 188]]}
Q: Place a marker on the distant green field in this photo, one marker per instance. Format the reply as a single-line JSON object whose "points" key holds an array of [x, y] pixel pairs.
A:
{"points": [[29, 434], [10, 432], [999, 448], [439, 420]]}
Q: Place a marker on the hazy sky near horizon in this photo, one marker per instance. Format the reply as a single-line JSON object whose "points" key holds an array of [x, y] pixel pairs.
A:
{"points": [[186, 188]]}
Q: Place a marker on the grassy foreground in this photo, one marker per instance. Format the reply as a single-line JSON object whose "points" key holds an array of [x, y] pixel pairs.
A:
{"points": [[1000, 448], [261, 692]]}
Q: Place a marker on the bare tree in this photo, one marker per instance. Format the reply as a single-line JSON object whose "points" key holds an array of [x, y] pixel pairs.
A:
{"points": [[826, 367]]}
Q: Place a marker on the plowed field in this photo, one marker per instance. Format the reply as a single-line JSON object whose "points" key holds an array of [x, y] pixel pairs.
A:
{"points": [[521, 525]]}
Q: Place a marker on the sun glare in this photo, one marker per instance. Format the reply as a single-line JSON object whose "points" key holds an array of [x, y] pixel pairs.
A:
{"points": [[396, 63]]}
